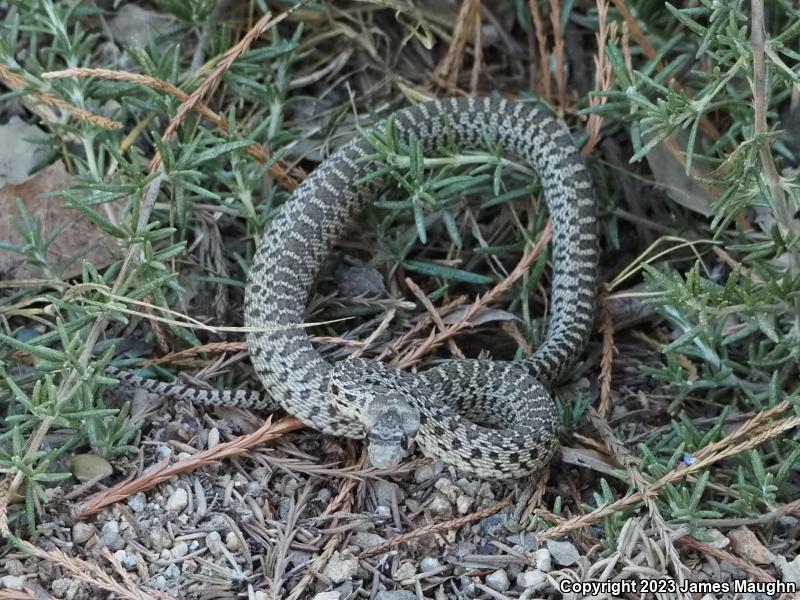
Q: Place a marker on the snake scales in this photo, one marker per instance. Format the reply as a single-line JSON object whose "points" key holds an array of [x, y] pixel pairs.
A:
{"points": [[438, 408]]}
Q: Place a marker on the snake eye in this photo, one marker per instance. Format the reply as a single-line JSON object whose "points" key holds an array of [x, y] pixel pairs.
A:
{"points": [[405, 442]]}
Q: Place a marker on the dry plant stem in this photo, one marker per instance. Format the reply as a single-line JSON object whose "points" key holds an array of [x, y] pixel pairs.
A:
{"points": [[558, 50], [468, 19], [719, 554], [287, 179], [544, 57], [434, 528], [15, 82], [163, 471], [789, 226], [437, 339], [408, 337], [623, 457], [603, 75], [97, 328], [435, 316], [214, 77], [754, 433], [607, 358]]}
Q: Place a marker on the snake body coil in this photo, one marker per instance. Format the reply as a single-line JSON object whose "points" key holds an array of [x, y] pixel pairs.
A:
{"points": [[437, 406]]}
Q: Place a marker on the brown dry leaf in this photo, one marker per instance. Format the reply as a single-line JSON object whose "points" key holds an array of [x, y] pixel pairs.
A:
{"points": [[78, 237]]}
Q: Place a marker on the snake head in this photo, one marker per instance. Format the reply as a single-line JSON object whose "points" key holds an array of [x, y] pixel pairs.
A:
{"points": [[390, 424], [380, 397]]}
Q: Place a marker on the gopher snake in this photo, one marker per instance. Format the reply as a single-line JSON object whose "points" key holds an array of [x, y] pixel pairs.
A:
{"points": [[439, 407]]}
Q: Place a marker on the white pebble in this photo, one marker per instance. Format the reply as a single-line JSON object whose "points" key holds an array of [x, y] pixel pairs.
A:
{"points": [[12, 582], [340, 568], [448, 488], [178, 500], [214, 543], [543, 561], [405, 571], [532, 580], [440, 507], [332, 595], [498, 580], [563, 553], [180, 549], [82, 532], [463, 504], [429, 564]]}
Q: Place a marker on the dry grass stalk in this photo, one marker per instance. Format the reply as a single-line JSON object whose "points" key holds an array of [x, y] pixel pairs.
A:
{"points": [[544, 56], [214, 78], [703, 459], [164, 471], [435, 528], [558, 51], [280, 172], [720, 554], [623, 457], [5, 485], [15, 82], [437, 339], [435, 316], [607, 358], [92, 574], [412, 334], [469, 19], [603, 75], [184, 357]]}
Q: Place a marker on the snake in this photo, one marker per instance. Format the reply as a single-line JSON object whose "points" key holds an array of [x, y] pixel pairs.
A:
{"points": [[495, 419]]}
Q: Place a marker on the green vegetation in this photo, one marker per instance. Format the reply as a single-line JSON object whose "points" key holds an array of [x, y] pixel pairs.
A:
{"points": [[720, 259]]}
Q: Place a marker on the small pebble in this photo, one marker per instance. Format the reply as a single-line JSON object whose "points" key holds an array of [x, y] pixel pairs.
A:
{"points": [[110, 537], [159, 538], [332, 595], [138, 502], [789, 569], [463, 504], [719, 540], [745, 543], [365, 539], [232, 542], [60, 587], [395, 595], [440, 507], [429, 564], [180, 549], [213, 438], [543, 560], [340, 568], [405, 571], [470, 488], [498, 581], [532, 580], [424, 473], [448, 488], [12, 582], [214, 543], [82, 532], [485, 491], [178, 500], [563, 553]]}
